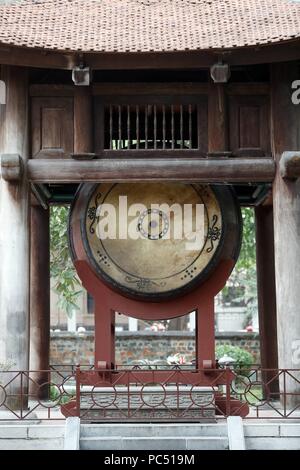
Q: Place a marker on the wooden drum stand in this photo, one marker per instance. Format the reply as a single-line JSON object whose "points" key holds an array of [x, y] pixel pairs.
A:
{"points": [[108, 276]]}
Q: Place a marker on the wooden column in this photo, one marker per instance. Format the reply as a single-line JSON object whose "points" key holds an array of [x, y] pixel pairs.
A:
{"points": [[286, 197], [39, 292], [266, 291], [217, 118], [205, 334], [14, 232], [83, 143], [104, 335], [83, 120], [217, 142]]}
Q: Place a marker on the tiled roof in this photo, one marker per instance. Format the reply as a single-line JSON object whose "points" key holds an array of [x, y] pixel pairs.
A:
{"points": [[147, 25]]}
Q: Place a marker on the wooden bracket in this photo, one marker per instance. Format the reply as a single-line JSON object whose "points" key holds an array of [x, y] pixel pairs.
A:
{"points": [[40, 196], [290, 165], [11, 166]]}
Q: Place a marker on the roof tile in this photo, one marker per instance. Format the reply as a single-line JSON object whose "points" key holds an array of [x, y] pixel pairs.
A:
{"points": [[147, 25]]}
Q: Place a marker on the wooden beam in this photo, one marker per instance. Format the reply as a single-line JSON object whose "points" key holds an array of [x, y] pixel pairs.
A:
{"points": [[217, 170], [145, 88], [150, 153], [47, 91], [194, 59], [290, 165], [248, 88], [23, 56], [119, 89]]}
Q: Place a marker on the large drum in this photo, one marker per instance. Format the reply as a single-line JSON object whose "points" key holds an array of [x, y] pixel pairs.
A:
{"points": [[154, 241]]}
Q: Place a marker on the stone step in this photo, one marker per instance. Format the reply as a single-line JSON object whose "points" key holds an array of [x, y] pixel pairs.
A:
{"points": [[154, 430], [153, 443], [32, 444], [273, 443], [31, 437]]}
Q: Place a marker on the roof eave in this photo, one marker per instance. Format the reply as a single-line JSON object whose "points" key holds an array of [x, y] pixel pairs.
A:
{"points": [[190, 59]]}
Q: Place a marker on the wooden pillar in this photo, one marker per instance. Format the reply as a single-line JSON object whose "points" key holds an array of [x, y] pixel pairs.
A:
{"points": [[266, 292], [14, 232], [217, 118], [83, 143], [286, 198], [217, 142], [39, 292], [104, 335], [205, 334], [83, 120]]}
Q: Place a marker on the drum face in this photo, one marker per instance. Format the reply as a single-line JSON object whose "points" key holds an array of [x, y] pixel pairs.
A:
{"points": [[155, 240]]}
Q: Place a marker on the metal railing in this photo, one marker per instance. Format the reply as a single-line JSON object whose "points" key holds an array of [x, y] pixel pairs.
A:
{"points": [[139, 393]]}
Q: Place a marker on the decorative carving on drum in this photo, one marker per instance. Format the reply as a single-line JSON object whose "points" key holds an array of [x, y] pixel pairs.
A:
{"points": [[154, 241]]}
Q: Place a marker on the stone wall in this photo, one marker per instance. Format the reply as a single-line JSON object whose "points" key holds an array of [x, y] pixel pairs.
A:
{"points": [[71, 348]]}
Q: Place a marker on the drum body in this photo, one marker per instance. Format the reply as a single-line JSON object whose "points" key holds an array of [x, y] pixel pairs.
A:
{"points": [[154, 241]]}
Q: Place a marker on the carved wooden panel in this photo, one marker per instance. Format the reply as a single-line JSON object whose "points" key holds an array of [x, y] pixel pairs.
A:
{"points": [[52, 127], [249, 123]]}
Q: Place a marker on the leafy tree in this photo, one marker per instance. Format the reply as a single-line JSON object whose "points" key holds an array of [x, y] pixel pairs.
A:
{"points": [[62, 271], [241, 287], [247, 258]]}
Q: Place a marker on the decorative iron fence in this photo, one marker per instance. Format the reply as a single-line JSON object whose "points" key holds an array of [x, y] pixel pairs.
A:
{"points": [[142, 393]]}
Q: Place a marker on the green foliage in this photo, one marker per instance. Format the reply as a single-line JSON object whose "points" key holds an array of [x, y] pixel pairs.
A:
{"points": [[6, 366], [243, 359], [247, 256], [62, 271], [59, 398], [241, 287]]}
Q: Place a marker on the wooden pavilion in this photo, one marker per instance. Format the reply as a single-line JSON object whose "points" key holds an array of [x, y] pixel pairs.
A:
{"points": [[228, 69]]}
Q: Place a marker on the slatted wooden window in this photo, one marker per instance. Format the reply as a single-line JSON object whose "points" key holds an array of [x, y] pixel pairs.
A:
{"points": [[147, 123], [150, 126]]}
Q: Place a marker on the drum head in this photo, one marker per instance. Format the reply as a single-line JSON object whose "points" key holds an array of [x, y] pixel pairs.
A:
{"points": [[155, 240]]}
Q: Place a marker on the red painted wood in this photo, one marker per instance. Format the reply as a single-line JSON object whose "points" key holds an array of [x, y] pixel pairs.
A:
{"points": [[200, 300], [108, 299]]}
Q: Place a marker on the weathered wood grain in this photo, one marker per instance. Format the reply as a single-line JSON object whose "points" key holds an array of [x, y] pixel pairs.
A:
{"points": [[285, 137], [216, 170], [11, 167], [14, 232], [290, 165]]}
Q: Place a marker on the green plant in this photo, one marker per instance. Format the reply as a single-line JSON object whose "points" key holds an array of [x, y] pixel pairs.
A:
{"points": [[6, 366], [243, 359], [61, 267], [241, 288], [60, 398]]}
